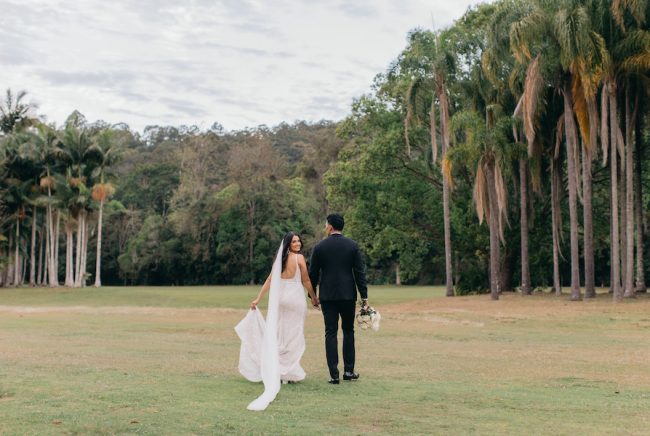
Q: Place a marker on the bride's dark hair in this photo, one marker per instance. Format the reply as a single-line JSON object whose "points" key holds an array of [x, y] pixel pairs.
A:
{"points": [[286, 245]]}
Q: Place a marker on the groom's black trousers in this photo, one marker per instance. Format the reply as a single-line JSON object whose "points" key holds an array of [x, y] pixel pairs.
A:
{"points": [[332, 310]]}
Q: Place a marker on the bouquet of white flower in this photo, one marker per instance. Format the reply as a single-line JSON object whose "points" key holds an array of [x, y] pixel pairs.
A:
{"points": [[368, 317]]}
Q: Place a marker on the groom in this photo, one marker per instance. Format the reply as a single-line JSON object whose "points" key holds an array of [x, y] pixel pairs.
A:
{"points": [[336, 264]]}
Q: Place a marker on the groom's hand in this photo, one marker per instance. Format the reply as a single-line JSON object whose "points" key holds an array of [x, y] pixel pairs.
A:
{"points": [[315, 302]]}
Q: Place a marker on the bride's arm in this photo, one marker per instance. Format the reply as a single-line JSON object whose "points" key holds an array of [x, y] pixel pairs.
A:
{"points": [[306, 282], [263, 291]]}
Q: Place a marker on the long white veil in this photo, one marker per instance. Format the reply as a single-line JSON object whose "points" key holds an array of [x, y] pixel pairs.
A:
{"points": [[249, 330]]}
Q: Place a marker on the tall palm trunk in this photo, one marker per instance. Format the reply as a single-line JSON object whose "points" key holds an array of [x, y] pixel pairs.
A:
{"points": [[77, 275], [638, 209], [444, 125], [84, 258], [629, 200], [622, 219], [51, 242], [82, 244], [69, 257], [41, 248], [47, 266], [57, 235], [587, 216], [24, 266], [525, 263], [46, 269], [51, 271], [494, 232], [555, 218], [613, 120], [571, 136], [17, 254], [98, 261], [32, 257], [11, 270], [447, 234]]}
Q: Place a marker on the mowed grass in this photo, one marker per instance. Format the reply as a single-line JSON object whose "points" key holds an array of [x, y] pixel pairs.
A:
{"points": [[235, 297], [164, 361]]}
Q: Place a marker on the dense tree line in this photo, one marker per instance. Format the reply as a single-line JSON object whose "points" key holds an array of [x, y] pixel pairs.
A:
{"points": [[224, 202], [504, 151], [523, 110], [175, 205]]}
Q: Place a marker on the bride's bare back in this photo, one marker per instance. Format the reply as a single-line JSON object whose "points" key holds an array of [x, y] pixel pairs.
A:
{"points": [[291, 267]]}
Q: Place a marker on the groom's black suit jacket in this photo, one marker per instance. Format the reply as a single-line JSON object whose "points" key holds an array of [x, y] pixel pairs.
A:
{"points": [[337, 265]]}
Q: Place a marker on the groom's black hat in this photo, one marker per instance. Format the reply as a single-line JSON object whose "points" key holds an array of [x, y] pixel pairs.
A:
{"points": [[336, 221]]}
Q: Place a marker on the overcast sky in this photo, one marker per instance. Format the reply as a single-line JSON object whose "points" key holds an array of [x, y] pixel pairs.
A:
{"points": [[241, 63]]}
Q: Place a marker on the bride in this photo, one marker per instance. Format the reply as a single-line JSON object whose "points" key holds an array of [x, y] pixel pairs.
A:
{"points": [[271, 349]]}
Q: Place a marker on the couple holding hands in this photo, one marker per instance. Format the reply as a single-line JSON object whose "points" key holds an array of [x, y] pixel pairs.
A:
{"points": [[271, 349]]}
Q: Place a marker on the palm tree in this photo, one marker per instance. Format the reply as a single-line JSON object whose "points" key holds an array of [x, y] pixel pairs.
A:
{"points": [[14, 119], [76, 144], [503, 73], [435, 59], [44, 148], [575, 63], [441, 68], [485, 147], [40, 148], [14, 114], [20, 179], [638, 205], [632, 57], [626, 58], [106, 153]]}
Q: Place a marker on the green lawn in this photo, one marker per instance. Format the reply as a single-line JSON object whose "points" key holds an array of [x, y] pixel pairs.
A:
{"points": [[181, 296], [164, 361]]}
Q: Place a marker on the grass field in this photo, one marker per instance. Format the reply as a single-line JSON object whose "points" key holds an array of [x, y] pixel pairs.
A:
{"points": [[164, 361]]}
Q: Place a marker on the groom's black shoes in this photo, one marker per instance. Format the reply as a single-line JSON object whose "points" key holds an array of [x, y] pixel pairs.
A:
{"points": [[333, 381], [350, 376]]}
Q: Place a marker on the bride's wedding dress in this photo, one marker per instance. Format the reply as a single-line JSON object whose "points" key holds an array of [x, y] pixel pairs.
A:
{"points": [[271, 350]]}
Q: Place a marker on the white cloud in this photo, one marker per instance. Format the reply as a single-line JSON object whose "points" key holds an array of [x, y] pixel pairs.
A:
{"points": [[239, 62]]}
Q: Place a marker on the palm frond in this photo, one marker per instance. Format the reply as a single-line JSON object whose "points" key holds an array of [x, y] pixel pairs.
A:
{"points": [[636, 9], [480, 194], [434, 134], [532, 88], [580, 109], [502, 200], [634, 45], [639, 63], [411, 109], [600, 57], [618, 13], [523, 32]]}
